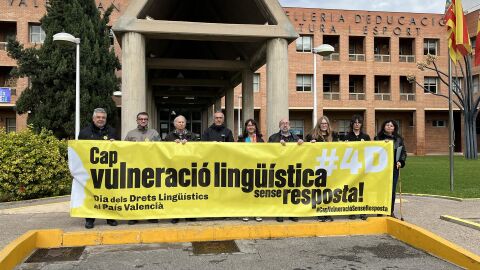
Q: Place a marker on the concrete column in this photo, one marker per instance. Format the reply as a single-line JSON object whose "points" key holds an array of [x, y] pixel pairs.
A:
{"points": [[205, 123], [419, 132], [133, 79], [210, 112], [247, 95], [229, 108], [218, 105], [277, 83]]}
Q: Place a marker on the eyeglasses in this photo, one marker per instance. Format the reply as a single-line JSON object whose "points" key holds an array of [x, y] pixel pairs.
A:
{"points": [[142, 119], [323, 123]]}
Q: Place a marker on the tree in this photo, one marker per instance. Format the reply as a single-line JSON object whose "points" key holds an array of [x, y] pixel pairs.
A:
{"points": [[466, 100], [49, 99]]}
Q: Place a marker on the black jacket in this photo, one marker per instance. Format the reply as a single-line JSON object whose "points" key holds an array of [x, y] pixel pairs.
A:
{"points": [[351, 137], [92, 132], [335, 138], [397, 142], [217, 134], [277, 137], [188, 135], [242, 139]]}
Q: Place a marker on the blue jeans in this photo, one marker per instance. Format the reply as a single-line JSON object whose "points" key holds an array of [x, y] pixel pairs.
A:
{"points": [[395, 180]]}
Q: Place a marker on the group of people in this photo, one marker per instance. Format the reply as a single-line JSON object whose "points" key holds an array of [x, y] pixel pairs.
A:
{"points": [[322, 132]]}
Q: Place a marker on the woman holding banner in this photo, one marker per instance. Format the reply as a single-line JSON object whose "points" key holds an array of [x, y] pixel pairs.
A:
{"points": [[251, 134], [322, 132], [389, 132], [354, 135]]}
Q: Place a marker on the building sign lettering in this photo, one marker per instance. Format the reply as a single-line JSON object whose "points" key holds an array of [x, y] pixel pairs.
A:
{"points": [[24, 3], [363, 24]]}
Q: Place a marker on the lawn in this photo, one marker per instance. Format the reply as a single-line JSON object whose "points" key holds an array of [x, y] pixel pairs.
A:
{"points": [[430, 175]]}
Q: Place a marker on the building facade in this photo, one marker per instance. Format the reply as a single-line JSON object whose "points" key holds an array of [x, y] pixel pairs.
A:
{"points": [[366, 75]]}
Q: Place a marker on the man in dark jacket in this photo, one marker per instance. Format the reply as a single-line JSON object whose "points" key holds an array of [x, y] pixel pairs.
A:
{"points": [[217, 132], [181, 134], [98, 130], [284, 136]]}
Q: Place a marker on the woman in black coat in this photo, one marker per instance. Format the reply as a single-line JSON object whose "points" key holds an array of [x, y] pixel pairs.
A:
{"points": [[389, 131], [356, 130], [354, 135]]}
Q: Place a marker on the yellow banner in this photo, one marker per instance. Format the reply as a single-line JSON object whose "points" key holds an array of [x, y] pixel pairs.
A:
{"points": [[149, 180]]}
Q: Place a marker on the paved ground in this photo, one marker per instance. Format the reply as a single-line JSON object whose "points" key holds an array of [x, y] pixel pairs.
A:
{"points": [[357, 252], [17, 218]]}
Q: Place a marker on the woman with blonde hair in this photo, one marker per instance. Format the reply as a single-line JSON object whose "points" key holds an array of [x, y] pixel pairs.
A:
{"points": [[322, 132]]}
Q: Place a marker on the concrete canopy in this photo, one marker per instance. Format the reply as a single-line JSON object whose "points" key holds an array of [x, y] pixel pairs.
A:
{"points": [[196, 49]]}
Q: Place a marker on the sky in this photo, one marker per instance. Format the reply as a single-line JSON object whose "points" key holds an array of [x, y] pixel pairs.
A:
{"points": [[418, 6]]}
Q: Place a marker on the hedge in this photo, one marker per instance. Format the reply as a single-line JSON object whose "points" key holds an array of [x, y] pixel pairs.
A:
{"points": [[32, 165]]}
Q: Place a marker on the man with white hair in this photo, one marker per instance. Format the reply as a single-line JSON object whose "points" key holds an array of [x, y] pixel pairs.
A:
{"points": [[181, 134]]}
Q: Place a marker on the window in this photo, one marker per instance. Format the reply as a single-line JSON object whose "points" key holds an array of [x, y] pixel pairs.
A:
{"points": [[430, 84], [457, 84], [327, 86], [296, 127], [256, 82], [351, 86], [430, 46], [304, 44], [475, 83], [439, 123], [304, 83], [399, 123], [37, 35], [343, 127], [11, 125]]}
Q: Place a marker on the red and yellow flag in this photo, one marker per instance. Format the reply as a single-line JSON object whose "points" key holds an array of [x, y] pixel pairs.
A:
{"points": [[458, 38], [477, 43]]}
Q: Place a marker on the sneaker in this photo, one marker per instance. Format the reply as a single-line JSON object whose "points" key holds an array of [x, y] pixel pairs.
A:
{"points": [[245, 219], [89, 224], [279, 219], [152, 221], [294, 219], [191, 219], [112, 222], [258, 219], [174, 221], [352, 217], [132, 222], [363, 217]]}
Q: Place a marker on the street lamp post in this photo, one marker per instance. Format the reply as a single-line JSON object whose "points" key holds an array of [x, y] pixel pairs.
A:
{"points": [[66, 38], [323, 50], [239, 123]]}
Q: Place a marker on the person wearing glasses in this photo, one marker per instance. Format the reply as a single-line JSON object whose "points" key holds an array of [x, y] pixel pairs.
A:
{"points": [[283, 136], [142, 134], [322, 132]]}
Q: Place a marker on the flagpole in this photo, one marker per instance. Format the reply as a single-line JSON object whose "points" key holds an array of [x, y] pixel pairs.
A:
{"points": [[450, 122]]}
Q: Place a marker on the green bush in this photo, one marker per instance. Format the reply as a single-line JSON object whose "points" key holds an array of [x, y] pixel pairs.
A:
{"points": [[32, 165]]}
